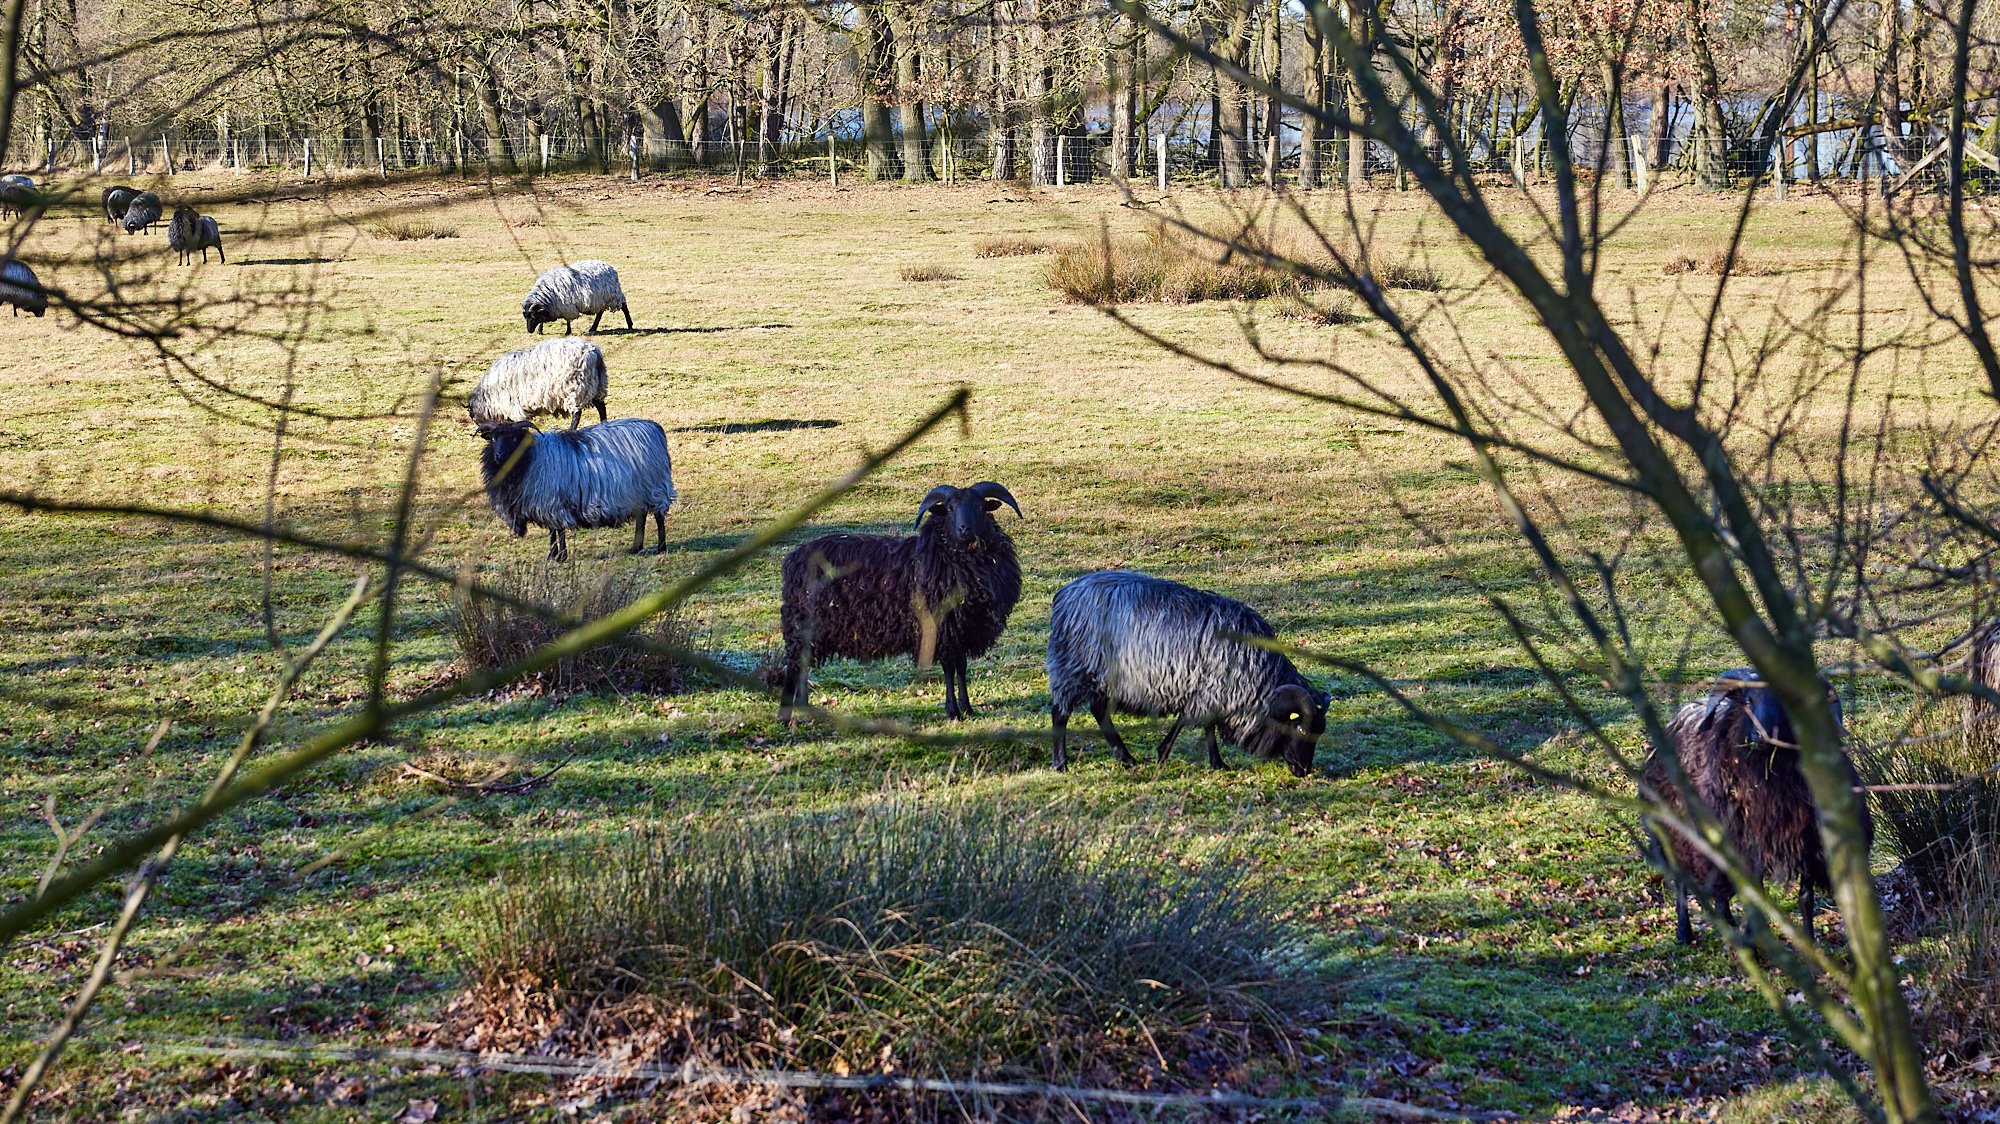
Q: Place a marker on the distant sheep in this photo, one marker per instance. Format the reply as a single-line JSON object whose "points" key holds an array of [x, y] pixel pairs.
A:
{"points": [[20, 288], [553, 377], [1741, 758], [117, 200], [941, 596], [563, 480], [1983, 668], [585, 288], [189, 231], [1141, 644], [143, 213], [17, 194]]}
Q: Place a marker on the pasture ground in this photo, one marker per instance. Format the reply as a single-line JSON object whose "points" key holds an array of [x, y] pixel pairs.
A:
{"points": [[1487, 941]]}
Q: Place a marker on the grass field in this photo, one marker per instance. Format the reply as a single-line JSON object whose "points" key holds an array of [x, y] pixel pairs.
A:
{"points": [[1485, 941]]}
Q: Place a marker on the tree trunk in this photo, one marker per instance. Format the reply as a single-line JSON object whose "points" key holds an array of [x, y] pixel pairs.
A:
{"points": [[871, 57], [499, 154], [1121, 92], [1360, 26], [1041, 84], [1712, 149], [661, 137], [1001, 124], [1272, 71], [1614, 122], [1233, 101], [1315, 92], [909, 105], [770, 118], [1662, 125]]}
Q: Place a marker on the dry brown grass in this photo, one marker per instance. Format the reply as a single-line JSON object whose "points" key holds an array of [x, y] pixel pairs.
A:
{"points": [[1715, 263], [493, 635], [413, 230], [930, 272], [1168, 266], [1011, 246], [1329, 313]]}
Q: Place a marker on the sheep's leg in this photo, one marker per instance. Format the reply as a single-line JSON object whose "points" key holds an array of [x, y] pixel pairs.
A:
{"points": [[567, 325], [626, 309], [964, 689], [1807, 907], [660, 529], [1100, 709], [219, 255], [576, 419], [1059, 719], [602, 417], [951, 709], [558, 545], [1214, 749], [639, 534], [1683, 927], [1173, 731], [594, 322], [798, 683]]}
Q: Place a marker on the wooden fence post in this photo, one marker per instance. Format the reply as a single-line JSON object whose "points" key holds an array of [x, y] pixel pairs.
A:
{"points": [[545, 154], [309, 156], [633, 145], [131, 159], [1062, 160], [96, 155], [832, 161], [1163, 161], [381, 160], [1271, 162]]}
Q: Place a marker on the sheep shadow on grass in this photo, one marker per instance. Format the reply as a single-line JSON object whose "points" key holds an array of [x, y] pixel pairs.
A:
{"points": [[707, 329], [768, 425]]}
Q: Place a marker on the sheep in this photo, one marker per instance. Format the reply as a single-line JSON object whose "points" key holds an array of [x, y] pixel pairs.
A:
{"points": [[189, 231], [941, 595], [585, 288], [553, 377], [1983, 668], [1145, 645], [1741, 759], [597, 476], [17, 194], [117, 199], [143, 213], [20, 288]]}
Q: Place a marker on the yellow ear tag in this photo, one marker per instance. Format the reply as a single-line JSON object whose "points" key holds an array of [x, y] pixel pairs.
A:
{"points": [[1295, 716]]}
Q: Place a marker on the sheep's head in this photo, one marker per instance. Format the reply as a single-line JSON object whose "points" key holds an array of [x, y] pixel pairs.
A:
{"points": [[536, 313], [1294, 719], [1745, 688], [965, 515]]}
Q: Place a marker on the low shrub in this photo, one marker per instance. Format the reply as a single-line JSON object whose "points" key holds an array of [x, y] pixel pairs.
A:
{"points": [[492, 634], [988, 939], [1010, 246], [412, 230], [931, 273]]}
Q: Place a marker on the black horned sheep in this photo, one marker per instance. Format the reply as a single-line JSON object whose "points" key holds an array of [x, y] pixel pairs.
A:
{"points": [[1144, 645], [20, 288], [597, 476], [553, 377], [143, 213], [117, 200], [942, 595], [17, 195], [1741, 758], [585, 288]]}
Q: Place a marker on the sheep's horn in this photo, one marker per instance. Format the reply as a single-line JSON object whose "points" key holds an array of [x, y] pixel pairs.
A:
{"points": [[941, 492], [988, 490]]}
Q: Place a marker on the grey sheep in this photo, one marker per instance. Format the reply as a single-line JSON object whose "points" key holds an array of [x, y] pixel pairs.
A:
{"points": [[553, 377], [17, 194], [189, 231], [117, 200], [1741, 757], [143, 213], [585, 288], [20, 288], [1145, 645], [597, 476]]}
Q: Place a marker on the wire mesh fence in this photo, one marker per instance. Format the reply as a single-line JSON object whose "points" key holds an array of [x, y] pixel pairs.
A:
{"points": [[1637, 161]]}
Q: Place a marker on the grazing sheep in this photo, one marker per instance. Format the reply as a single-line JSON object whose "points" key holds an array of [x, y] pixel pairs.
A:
{"points": [[1983, 667], [20, 288], [1119, 638], [553, 377], [1742, 760], [189, 231], [117, 200], [17, 194], [597, 476], [941, 595], [585, 288], [143, 213]]}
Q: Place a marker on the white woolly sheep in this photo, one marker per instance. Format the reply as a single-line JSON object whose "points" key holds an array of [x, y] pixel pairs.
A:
{"points": [[597, 476], [585, 288], [553, 377]]}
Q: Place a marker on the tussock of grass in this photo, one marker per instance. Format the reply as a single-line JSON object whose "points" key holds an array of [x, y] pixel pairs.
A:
{"points": [[1168, 266], [1326, 313], [931, 273], [493, 635], [1011, 246], [965, 937], [413, 230], [1409, 275], [1714, 264]]}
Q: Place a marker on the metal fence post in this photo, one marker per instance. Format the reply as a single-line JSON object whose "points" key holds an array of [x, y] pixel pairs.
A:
{"points": [[1162, 162], [1062, 160]]}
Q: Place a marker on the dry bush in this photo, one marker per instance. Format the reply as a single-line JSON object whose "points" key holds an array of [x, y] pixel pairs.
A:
{"points": [[412, 230], [1715, 263], [931, 273], [1010, 246], [966, 937], [494, 635], [1326, 313], [1169, 266], [1409, 275]]}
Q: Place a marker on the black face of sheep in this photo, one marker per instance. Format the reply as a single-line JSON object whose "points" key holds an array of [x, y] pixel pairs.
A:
{"points": [[942, 595], [536, 314], [1295, 719]]}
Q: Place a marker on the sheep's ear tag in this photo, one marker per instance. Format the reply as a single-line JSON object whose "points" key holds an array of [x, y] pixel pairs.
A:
{"points": [[1294, 716]]}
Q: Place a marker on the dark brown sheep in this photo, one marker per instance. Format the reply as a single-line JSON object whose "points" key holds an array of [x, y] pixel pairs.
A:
{"points": [[941, 596], [1741, 757], [1982, 666]]}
